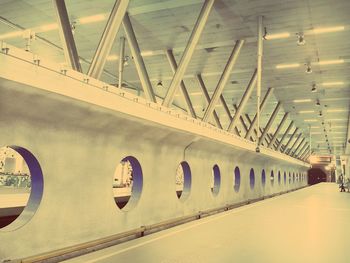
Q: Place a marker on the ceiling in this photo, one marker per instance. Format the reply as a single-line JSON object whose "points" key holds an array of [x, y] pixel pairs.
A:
{"points": [[161, 25]]}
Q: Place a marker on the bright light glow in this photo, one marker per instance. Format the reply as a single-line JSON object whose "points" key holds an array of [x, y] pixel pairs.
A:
{"points": [[301, 101], [112, 57], [330, 62], [306, 111], [335, 83], [315, 133], [277, 36], [338, 127], [47, 27], [310, 120], [11, 34], [335, 132], [322, 30], [147, 53], [91, 19], [337, 110], [315, 127], [196, 93], [283, 66]]}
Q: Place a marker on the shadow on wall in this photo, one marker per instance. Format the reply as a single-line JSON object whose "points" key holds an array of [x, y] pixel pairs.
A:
{"points": [[316, 175]]}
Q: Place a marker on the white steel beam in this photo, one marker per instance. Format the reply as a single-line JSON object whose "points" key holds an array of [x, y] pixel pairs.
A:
{"points": [[290, 140], [243, 102], [259, 72], [278, 129], [136, 53], [66, 35], [270, 122], [302, 149], [298, 147], [294, 144], [207, 98], [106, 42], [188, 52], [173, 65], [262, 106], [223, 79], [284, 135], [121, 61]]}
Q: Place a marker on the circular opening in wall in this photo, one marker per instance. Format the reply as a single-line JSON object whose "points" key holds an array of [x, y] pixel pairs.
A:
{"points": [[263, 178], [293, 177], [127, 183], [251, 178], [289, 178], [21, 187], [279, 177], [215, 180], [285, 177], [272, 178], [237, 182], [183, 180]]}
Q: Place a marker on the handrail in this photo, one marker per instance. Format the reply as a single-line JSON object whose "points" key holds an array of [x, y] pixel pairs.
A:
{"points": [[90, 246]]}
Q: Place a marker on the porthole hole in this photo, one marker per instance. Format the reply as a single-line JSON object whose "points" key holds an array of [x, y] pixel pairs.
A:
{"points": [[183, 181], [251, 178], [237, 182], [215, 180]]}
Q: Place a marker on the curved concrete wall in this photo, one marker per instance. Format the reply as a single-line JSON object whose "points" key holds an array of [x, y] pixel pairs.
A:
{"points": [[78, 147]]}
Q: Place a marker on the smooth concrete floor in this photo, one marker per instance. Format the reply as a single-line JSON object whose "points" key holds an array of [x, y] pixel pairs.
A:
{"points": [[309, 225]]}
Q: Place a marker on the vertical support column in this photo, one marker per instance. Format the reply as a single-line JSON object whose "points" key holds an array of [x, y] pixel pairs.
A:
{"points": [[223, 79], [284, 135], [66, 35], [121, 61], [105, 45], [173, 65], [259, 69], [243, 102], [207, 98], [136, 53], [269, 123], [189, 50]]}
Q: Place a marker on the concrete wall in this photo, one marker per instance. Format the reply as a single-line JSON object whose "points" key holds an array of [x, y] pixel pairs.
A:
{"points": [[79, 145]]}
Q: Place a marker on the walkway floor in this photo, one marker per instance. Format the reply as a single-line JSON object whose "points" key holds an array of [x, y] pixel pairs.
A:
{"points": [[309, 225]]}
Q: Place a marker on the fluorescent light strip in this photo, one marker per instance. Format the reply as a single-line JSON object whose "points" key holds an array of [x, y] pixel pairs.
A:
{"points": [[322, 30], [277, 36], [337, 110], [310, 120], [335, 83], [306, 111], [315, 127], [330, 62], [283, 66], [302, 100], [112, 57], [91, 19]]}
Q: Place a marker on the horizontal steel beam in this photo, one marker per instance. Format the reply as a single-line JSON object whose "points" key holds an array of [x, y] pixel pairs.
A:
{"points": [[188, 52]]}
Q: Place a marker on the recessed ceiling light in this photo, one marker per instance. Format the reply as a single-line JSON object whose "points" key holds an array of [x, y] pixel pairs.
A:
{"points": [[302, 100], [196, 93], [283, 66], [337, 110], [11, 34], [322, 30], [147, 53], [112, 57], [91, 19], [277, 36], [334, 83], [315, 127], [310, 120]]}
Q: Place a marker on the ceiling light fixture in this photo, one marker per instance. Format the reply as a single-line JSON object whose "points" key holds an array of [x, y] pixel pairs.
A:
{"points": [[48, 27], [283, 66], [318, 104], [313, 89], [301, 39], [308, 68], [306, 111], [310, 120], [277, 36], [112, 57], [302, 100], [91, 19], [330, 62], [160, 84], [337, 110], [322, 30]]}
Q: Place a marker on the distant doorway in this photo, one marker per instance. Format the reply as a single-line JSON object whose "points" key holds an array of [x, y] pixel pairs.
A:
{"points": [[316, 175]]}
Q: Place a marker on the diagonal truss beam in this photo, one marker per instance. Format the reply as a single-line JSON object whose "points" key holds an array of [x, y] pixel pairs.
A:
{"points": [[242, 122], [302, 149], [290, 140], [270, 122], [173, 65], [298, 147], [255, 131], [66, 35], [243, 102], [278, 129], [306, 151], [262, 106], [223, 79], [136, 53], [207, 98], [227, 110], [294, 144], [106, 42], [188, 52], [284, 135]]}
